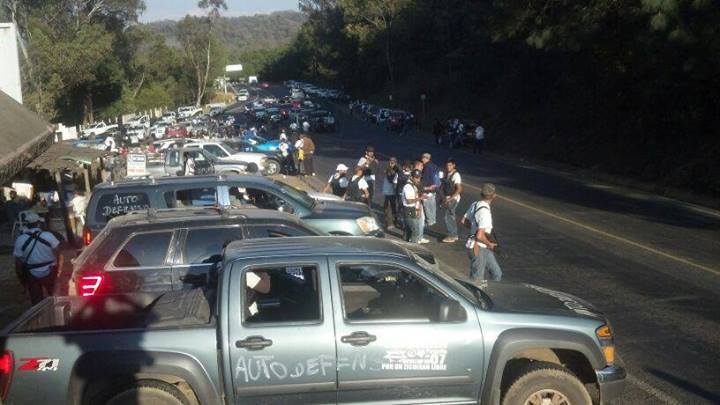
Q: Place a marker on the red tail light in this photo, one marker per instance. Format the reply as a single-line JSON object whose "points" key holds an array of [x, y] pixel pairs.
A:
{"points": [[87, 236], [7, 365], [89, 285]]}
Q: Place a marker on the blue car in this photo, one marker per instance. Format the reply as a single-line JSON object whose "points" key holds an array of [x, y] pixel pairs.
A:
{"points": [[256, 143]]}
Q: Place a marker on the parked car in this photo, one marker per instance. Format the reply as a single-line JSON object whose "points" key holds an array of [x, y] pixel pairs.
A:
{"points": [[173, 249], [243, 95], [135, 134], [188, 111], [316, 320], [139, 121], [176, 131], [265, 85], [158, 130], [322, 121], [396, 120], [267, 164], [109, 200], [98, 128]]}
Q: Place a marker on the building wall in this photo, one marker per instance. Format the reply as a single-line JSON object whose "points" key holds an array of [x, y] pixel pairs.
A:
{"points": [[10, 65]]}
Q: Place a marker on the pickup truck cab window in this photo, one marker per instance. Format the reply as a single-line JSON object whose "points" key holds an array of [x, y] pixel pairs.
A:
{"points": [[193, 197], [144, 250], [380, 292], [281, 294], [215, 150], [266, 200]]}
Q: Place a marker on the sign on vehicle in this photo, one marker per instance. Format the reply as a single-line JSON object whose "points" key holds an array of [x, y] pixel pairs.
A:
{"points": [[136, 164]]}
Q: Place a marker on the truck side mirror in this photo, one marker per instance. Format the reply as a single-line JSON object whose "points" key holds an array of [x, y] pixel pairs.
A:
{"points": [[451, 311]]}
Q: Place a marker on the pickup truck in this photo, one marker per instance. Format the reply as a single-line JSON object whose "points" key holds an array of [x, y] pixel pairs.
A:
{"points": [[315, 320], [173, 163], [98, 128]]}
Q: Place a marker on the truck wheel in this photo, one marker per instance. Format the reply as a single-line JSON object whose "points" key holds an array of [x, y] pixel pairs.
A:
{"points": [[252, 168], [148, 392], [272, 167], [546, 383]]}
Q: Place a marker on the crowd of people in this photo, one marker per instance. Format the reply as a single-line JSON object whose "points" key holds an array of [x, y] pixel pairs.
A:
{"points": [[413, 193]]}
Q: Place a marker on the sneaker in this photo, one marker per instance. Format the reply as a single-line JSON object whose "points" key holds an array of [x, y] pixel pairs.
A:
{"points": [[423, 241], [450, 239]]}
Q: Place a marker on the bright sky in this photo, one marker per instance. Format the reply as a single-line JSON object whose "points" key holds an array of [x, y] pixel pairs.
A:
{"points": [[176, 9]]}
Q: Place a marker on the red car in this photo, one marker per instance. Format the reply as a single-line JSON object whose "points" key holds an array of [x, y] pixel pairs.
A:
{"points": [[176, 131], [265, 85]]}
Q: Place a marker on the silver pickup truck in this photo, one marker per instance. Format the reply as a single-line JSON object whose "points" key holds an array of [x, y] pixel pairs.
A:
{"points": [[315, 320]]}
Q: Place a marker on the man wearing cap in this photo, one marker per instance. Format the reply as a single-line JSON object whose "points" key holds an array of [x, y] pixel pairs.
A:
{"points": [[357, 189], [338, 182], [430, 184], [36, 258], [480, 247], [412, 198]]}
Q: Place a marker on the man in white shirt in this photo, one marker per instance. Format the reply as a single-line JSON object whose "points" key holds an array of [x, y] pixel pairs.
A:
{"points": [[479, 143], [451, 188], [36, 261], [338, 182], [412, 199], [357, 189], [369, 163], [110, 144], [299, 155], [480, 247], [306, 126]]}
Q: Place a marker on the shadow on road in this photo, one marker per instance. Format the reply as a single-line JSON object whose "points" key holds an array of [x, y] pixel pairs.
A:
{"points": [[685, 385]]}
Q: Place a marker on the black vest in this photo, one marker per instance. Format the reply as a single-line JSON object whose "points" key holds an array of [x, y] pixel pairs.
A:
{"points": [[337, 189], [353, 191], [448, 187]]}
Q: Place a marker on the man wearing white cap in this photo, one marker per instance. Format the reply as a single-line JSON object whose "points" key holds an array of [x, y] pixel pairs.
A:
{"points": [[338, 182], [36, 258]]}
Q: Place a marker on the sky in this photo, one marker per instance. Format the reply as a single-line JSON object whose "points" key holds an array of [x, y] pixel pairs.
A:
{"points": [[177, 9]]}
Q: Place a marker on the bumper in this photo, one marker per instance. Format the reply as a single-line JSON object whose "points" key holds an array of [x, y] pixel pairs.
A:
{"points": [[611, 381]]}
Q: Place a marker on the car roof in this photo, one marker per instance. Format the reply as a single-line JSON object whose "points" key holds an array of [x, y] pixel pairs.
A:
{"points": [[313, 245], [155, 181], [188, 215]]}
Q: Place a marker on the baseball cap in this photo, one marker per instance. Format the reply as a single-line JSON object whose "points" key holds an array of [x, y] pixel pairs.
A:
{"points": [[341, 168], [416, 173], [32, 217], [487, 189]]}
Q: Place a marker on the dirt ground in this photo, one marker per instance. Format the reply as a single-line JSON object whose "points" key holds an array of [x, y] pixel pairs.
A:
{"points": [[14, 300]]}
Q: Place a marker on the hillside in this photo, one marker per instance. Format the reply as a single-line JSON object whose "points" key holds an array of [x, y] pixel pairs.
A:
{"points": [[241, 34]]}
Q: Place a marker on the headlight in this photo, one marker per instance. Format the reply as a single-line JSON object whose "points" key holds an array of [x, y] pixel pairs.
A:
{"points": [[367, 224]]}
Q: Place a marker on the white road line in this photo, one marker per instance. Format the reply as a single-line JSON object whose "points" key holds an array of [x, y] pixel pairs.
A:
{"points": [[649, 389]]}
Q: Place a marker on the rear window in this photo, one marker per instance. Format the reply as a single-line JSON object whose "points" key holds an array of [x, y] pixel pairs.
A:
{"points": [[205, 245], [144, 250], [112, 205]]}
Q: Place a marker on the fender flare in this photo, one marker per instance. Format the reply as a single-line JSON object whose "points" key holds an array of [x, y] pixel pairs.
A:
{"points": [[517, 340], [106, 365]]}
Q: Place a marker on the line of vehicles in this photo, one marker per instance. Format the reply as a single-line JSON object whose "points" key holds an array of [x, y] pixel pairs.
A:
{"points": [[237, 288]]}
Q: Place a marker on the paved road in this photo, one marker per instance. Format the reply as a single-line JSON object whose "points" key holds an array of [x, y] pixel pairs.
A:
{"points": [[651, 264]]}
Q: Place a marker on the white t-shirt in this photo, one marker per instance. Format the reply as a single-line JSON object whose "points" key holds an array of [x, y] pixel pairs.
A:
{"points": [[343, 180], [110, 142], [362, 184], [408, 193], [41, 253], [365, 162], [479, 133], [284, 148], [306, 126], [283, 137], [480, 217], [389, 186], [299, 144], [455, 179]]}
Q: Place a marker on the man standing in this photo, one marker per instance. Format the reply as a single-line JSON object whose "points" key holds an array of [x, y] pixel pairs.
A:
{"points": [[451, 189], [338, 182], [480, 247], [308, 147], [299, 155], [357, 189], [35, 259], [430, 184], [479, 144], [389, 189], [412, 205], [370, 166]]}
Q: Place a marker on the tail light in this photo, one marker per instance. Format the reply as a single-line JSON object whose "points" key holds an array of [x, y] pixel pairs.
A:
{"points": [[7, 365], [89, 285], [87, 236]]}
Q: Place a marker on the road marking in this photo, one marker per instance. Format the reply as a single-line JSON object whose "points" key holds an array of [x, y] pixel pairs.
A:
{"points": [[603, 233], [652, 390]]}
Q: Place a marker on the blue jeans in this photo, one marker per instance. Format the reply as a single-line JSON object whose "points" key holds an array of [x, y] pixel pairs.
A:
{"points": [[430, 207], [413, 228], [482, 263], [450, 218]]}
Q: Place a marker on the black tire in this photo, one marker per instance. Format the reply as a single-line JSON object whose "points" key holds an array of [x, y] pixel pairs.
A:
{"points": [[252, 168], [148, 392], [272, 167], [546, 379]]}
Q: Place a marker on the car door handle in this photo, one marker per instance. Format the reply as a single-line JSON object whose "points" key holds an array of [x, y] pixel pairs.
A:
{"points": [[193, 279], [358, 338], [253, 343]]}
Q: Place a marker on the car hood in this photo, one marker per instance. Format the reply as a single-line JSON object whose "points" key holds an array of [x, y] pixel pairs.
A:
{"points": [[323, 196], [532, 299], [340, 209]]}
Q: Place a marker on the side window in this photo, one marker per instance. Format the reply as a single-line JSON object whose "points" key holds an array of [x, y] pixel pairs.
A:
{"points": [[194, 197], [215, 150], [281, 294], [144, 250], [204, 246], [374, 292], [115, 204], [265, 200], [277, 231]]}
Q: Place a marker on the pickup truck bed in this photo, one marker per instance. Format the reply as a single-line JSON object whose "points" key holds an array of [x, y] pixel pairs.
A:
{"points": [[168, 310]]}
